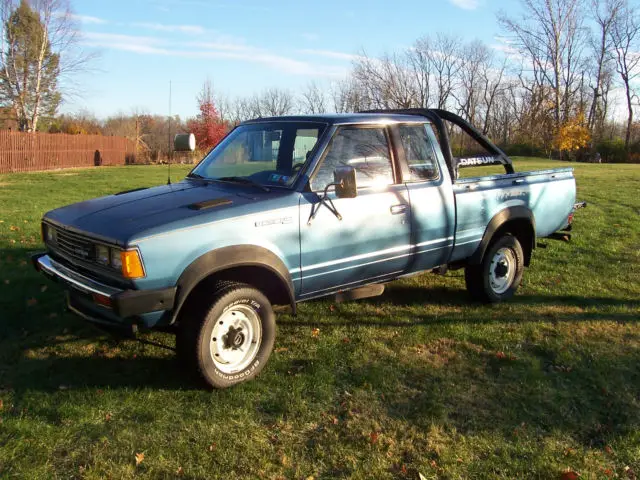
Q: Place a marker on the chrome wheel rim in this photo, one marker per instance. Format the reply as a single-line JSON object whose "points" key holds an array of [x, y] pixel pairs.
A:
{"points": [[502, 270], [235, 339]]}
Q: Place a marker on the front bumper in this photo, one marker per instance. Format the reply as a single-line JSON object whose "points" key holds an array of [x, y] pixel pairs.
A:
{"points": [[102, 303]]}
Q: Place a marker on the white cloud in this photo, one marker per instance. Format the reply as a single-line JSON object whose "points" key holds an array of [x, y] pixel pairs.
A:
{"points": [[466, 4], [311, 37], [330, 54], [210, 50], [85, 18], [161, 27]]}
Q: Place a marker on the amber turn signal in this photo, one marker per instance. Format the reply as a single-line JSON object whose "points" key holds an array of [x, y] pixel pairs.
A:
{"points": [[131, 264]]}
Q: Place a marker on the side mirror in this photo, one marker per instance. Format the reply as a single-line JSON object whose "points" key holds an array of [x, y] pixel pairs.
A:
{"points": [[184, 142], [345, 182]]}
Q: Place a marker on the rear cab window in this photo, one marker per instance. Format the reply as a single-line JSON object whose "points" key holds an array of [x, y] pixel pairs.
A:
{"points": [[419, 153]]}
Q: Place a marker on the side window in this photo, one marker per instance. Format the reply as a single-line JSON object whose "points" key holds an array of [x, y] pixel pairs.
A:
{"points": [[365, 149], [419, 153]]}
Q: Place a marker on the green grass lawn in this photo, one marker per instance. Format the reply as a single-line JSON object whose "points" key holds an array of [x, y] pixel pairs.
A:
{"points": [[417, 381]]}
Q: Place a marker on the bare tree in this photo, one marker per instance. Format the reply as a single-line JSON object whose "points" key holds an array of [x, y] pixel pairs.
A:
{"points": [[550, 35], [604, 13], [313, 99], [386, 82], [40, 46], [273, 102], [442, 59], [348, 97], [625, 36]]}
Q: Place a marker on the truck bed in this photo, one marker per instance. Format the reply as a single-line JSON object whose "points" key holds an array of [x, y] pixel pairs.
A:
{"points": [[549, 194]]}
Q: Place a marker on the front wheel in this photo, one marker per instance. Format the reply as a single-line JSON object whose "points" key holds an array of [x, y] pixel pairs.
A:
{"points": [[499, 274], [230, 340]]}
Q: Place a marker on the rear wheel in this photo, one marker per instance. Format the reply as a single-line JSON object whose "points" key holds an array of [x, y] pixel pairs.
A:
{"points": [[229, 340], [499, 274]]}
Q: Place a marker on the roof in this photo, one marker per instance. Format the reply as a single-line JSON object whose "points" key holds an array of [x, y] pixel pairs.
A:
{"points": [[342, 118]]}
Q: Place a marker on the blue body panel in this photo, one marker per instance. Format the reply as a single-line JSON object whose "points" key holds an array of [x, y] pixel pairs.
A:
{"points": [[384, 233]]}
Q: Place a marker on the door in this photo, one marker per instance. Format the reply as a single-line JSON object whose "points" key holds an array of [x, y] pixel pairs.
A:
{"points": [[430, 193], [371, 241]]}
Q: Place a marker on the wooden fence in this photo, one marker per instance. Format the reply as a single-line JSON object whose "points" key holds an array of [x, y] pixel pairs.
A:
{"points": [[24, 152]]}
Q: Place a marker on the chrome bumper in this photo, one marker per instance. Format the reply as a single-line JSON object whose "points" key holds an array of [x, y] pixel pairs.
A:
{"points": [[86, 285], [115, 304]]}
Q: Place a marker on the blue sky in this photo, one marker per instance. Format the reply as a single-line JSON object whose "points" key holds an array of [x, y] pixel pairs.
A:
{"points": [[244, 46]]}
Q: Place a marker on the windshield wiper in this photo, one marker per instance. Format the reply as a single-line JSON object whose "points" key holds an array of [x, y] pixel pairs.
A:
{"points": [[246, 180], [197, 175]]}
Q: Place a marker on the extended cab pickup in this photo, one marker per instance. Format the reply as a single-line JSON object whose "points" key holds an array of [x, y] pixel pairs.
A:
{"points": [[293, 208]]}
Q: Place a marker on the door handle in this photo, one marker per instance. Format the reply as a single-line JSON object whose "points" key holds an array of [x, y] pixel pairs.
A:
{"points": [[398, 209]]}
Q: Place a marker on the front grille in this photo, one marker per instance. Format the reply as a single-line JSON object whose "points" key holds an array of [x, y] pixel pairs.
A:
{"points": [[74, 246]]}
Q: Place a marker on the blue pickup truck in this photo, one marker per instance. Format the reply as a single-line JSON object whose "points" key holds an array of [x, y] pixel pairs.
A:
{"points": [[293, 208]]}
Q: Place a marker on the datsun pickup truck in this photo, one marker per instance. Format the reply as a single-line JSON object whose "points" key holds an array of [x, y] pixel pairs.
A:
{"points": [[289, 209]]}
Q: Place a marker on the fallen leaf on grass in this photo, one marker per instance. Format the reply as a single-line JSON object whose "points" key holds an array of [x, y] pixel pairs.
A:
{"points": [[31, 302], [13, 228], [334, 420], [608, 449], [285, 461], [281, 349], [180, 471], [315, 332], [1, 404], [373, 437], [346, 340], [212, 447], [107, 417], [139, 458], [332, 308], [569, 475]]}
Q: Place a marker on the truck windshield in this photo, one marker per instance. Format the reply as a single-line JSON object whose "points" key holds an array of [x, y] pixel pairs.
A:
{"points": [[269, 153]]}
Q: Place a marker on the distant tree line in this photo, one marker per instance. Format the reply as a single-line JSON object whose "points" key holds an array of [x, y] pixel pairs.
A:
{"points": [[548, 88]]}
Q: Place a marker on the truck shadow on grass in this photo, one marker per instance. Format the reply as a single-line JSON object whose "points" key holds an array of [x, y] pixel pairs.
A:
{"points": [[448, 381], [441, 305]]}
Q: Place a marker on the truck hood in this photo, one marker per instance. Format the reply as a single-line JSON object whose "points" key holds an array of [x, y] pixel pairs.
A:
{"points": [[120, 217]]}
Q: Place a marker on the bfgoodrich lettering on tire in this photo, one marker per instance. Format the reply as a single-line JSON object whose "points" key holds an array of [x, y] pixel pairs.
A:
{"points": [[229, 340], [499, 274]]}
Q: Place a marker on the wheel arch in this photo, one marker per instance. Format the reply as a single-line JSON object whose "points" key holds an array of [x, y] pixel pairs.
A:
{"points": [[518, 221], [250, 264]]}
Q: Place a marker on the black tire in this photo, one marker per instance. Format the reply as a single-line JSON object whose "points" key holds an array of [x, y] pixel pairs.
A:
{"points": [[195, 335], [478, 278]]}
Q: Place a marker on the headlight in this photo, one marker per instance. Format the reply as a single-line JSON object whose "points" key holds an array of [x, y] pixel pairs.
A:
{"points": [[116, 259], [49, 234], [102, 254]]}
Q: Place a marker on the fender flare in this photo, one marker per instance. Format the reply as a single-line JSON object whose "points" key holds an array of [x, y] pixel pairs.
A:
{"points": [[226, 258], [504, 216]]}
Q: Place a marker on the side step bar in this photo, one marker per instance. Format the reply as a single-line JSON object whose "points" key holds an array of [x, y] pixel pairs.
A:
{"points": [[367, 291]]}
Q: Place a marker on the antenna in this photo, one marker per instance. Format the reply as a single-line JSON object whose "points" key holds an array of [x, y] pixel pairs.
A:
{"points": [[170, 153]]}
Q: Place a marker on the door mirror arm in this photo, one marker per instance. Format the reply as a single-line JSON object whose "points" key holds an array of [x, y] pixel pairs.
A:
{"points": [[327, 202], [344, 181]]}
